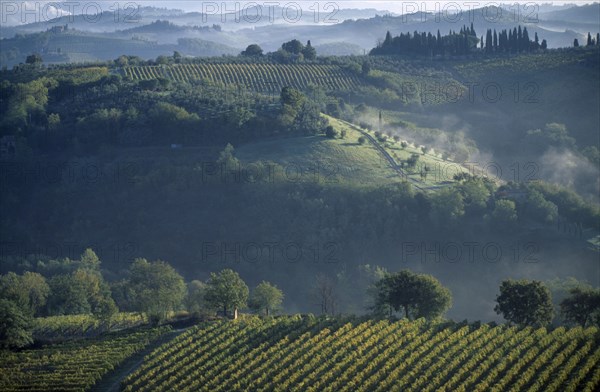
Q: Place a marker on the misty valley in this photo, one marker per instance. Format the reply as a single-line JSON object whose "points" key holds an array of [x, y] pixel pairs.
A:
{"points": [[313, 197]]}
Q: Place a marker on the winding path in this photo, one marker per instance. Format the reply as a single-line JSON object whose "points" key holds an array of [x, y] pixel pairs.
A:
{"points": [[386, 155]]}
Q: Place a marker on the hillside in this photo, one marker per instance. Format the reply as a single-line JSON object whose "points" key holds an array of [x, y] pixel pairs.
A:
{"points": [[294, 354], [267, 77]]}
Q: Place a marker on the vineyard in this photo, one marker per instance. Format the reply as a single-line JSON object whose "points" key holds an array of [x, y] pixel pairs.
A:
{"points": [[258, 77], [73, 366], [293, 354], [58, 328]]}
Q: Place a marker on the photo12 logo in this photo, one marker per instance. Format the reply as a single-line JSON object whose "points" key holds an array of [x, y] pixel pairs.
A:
{"points": [[249, 12], [66, 11], [468, 11], [269, 252]]}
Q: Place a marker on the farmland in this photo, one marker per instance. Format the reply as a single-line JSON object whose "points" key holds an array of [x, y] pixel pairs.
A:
{"points": [[259, 77], [72, 366], [337, 354]]}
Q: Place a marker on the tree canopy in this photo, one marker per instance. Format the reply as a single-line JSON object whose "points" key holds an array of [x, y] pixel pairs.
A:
{"points": [[582, 306], [267, 297], [15, 325], [156, 287], [525, 302], [416, 295], [227, 291]]}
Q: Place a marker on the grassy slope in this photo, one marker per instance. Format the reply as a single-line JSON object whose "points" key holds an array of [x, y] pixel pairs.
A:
{"points": [[347, 161]]}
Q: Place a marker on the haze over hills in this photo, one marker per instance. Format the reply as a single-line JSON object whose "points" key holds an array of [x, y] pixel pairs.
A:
{"points": [[157, 31], [404, 200]]}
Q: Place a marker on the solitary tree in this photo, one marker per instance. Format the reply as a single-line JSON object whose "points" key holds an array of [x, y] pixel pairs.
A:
{"points": [[525, 302], [416, 295], [331, 132], [226, 290], [324, 293], [253, 50], [266, 297], [582, 306], [576, 43]]}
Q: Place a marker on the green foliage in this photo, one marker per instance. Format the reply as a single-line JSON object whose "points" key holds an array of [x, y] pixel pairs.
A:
{"points": [[541, 209], [447, 207], [267, 297], [195, 301], [504, 215], [227, 160], [415, 295], [475, 193], [553, 134], [296, 353], [72, 366], [331, 132], [226, 290], [83, 291], [525, 303], [15, 325], [582, 306], [253, 50], [156, 288], [28, 291], [34, 59], [294, 46]]}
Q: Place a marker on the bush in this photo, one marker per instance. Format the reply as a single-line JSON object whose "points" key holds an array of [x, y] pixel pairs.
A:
{"points": [[361, 140], [331, 132]]}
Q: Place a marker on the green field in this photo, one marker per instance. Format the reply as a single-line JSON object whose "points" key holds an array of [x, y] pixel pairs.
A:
{"points": [[332, 160], [295, 354], [72, 366]]}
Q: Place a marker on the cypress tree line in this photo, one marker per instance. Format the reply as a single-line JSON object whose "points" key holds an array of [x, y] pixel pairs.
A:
{"points": [[464, 42]]}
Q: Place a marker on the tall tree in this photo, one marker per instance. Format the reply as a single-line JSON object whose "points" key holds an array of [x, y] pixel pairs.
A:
{"points": [[309, 52], [416, 295], [266, 297], [227, 291], [157, 288], [324, 292], [525, 302]]}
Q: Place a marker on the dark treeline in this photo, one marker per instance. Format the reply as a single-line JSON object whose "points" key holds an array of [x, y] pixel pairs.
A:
{"points": [[512, 41], [464, 42]]}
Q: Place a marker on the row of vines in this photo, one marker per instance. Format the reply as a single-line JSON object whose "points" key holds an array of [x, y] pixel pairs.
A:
{"points": [[257, 77], [73, 366], [351, 355]]}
